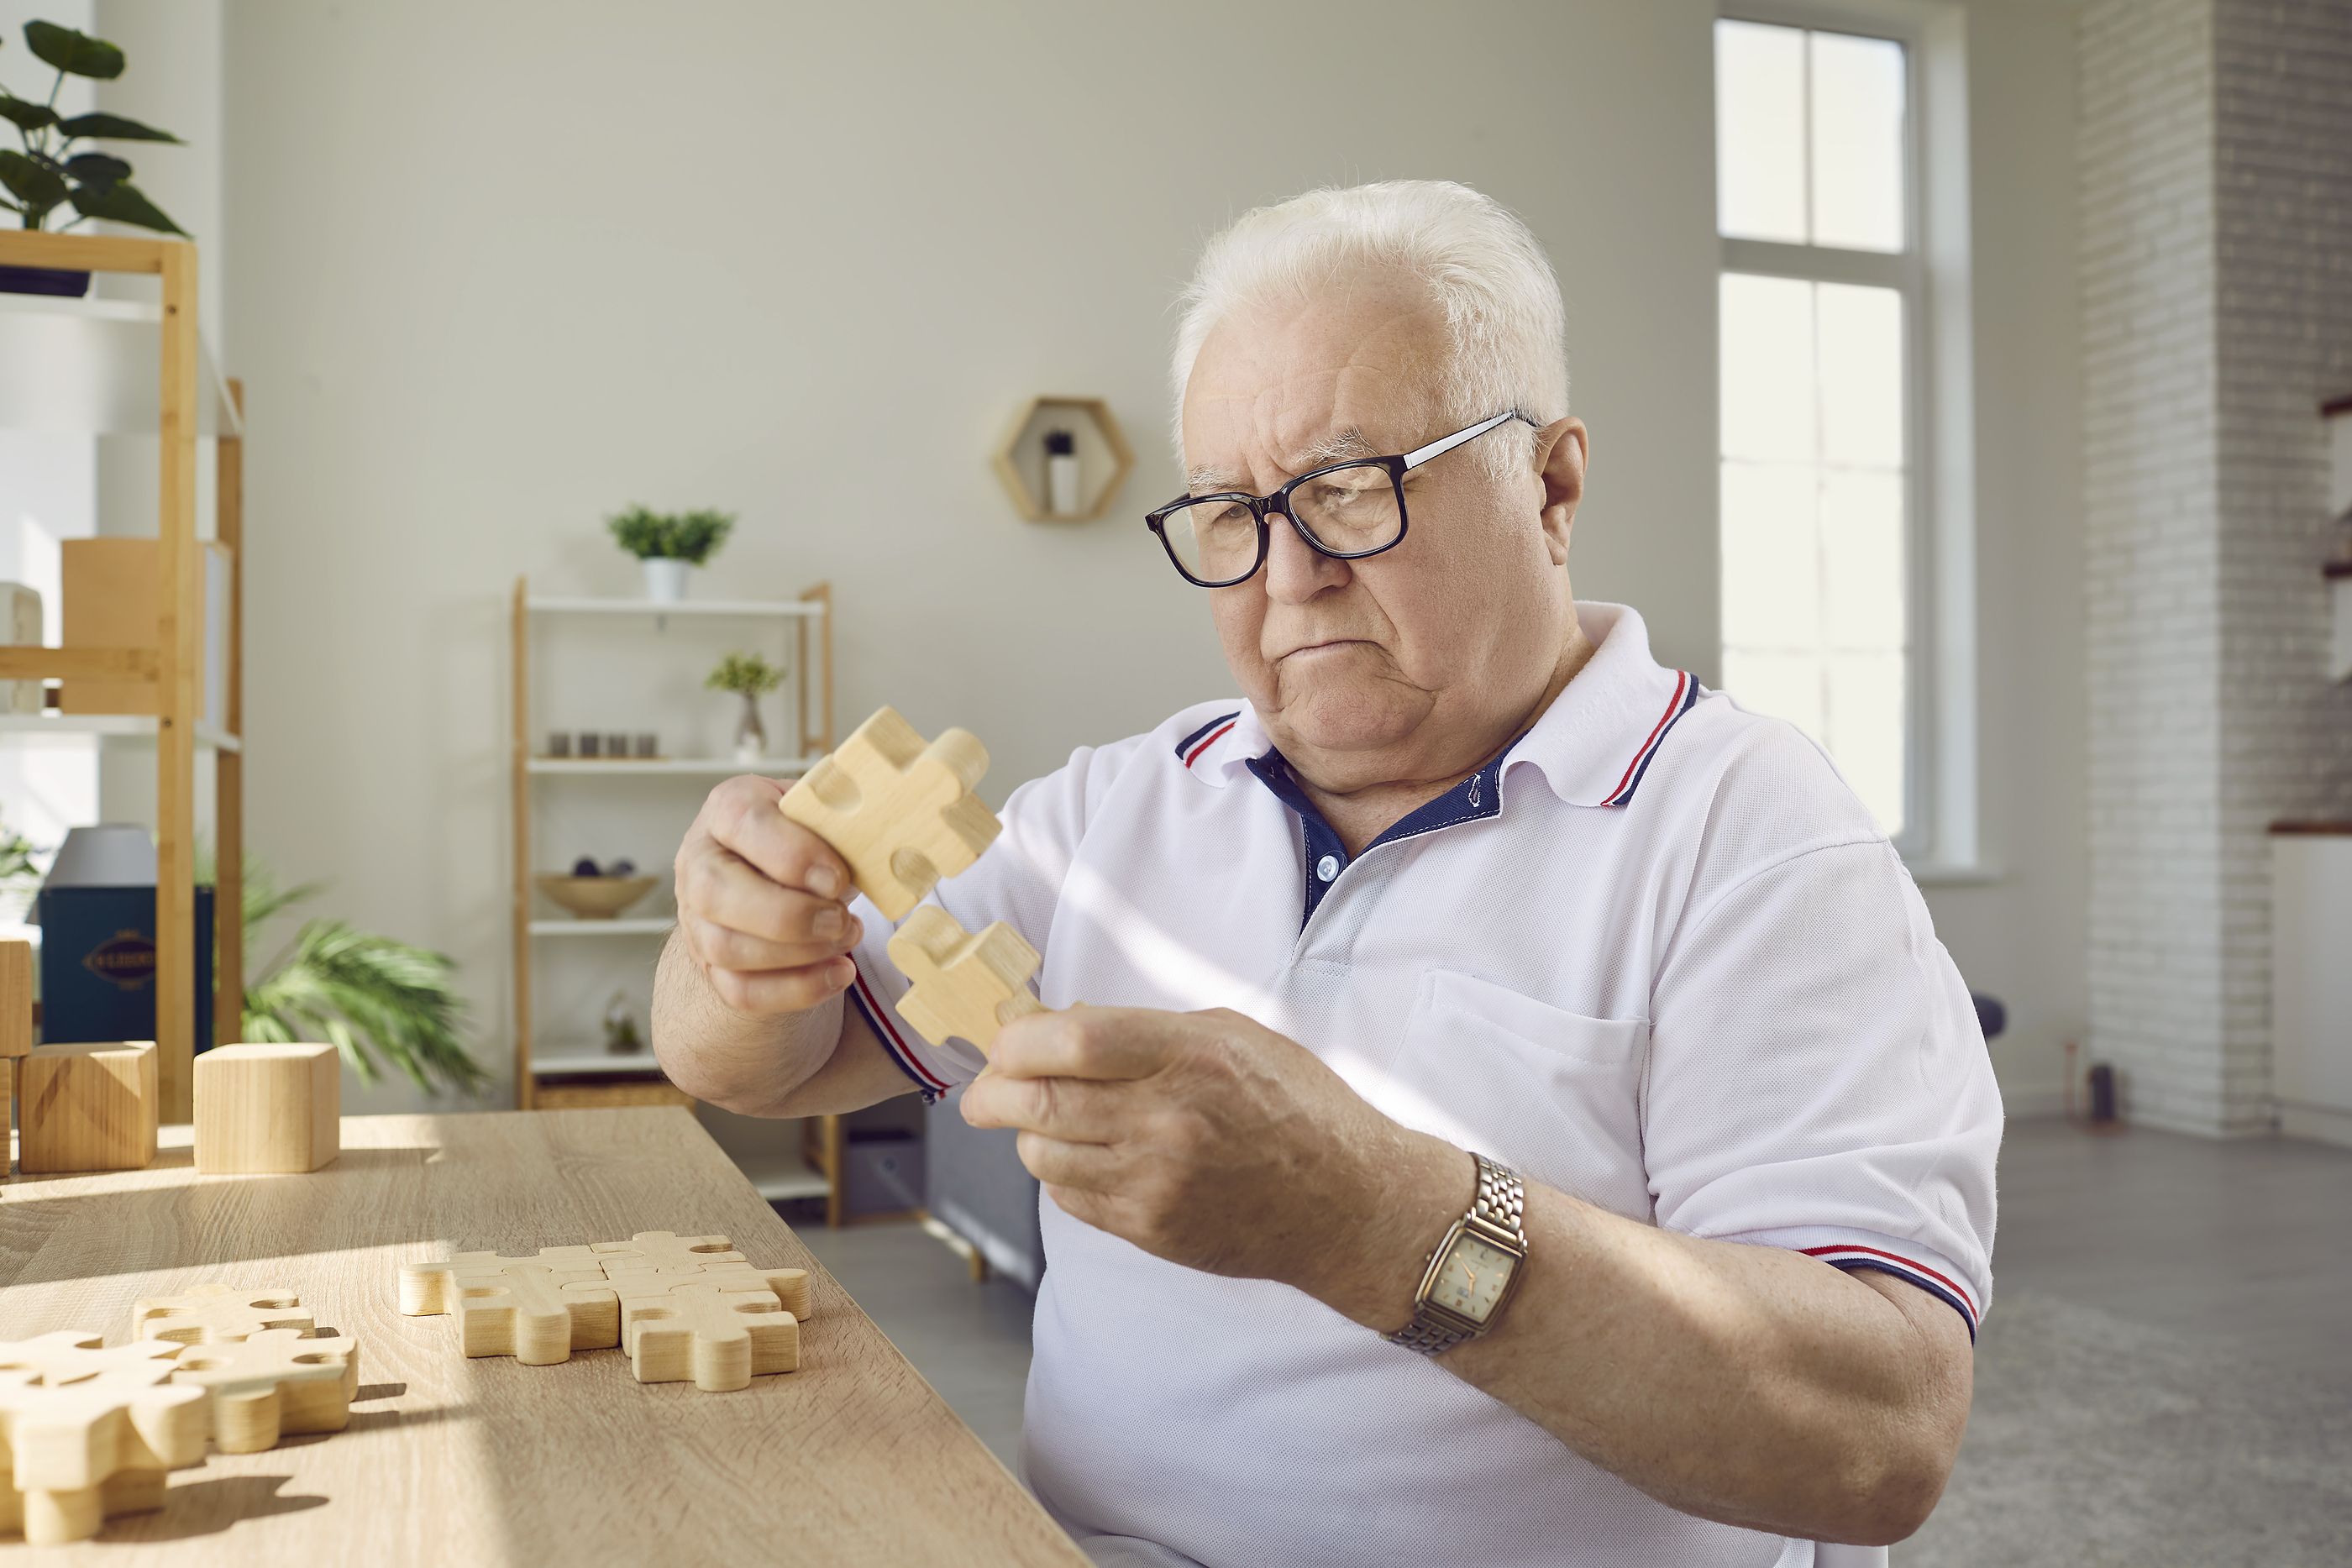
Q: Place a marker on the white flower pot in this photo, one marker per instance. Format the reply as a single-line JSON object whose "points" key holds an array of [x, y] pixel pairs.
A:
{"points": [[665, 579]]}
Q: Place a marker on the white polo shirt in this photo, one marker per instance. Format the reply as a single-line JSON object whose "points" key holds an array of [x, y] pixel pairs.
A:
{"points": [[1656, 956]]}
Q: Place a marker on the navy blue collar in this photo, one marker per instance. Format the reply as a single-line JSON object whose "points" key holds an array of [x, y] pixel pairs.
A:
{"points": [[1325, 856]]}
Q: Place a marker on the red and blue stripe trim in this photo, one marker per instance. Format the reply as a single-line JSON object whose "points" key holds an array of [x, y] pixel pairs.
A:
{"points": [[1851, 1255], [1189, 749], [1686, 695], [878, 1018]]}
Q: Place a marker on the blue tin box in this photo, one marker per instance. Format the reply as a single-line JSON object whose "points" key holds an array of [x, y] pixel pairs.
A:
{"points": [[98, 964]]}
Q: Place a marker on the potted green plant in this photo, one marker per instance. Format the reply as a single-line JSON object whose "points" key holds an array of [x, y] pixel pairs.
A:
{"points": [[52, 172], [667, 543], [380, 1002], [20, 879], [751, 677]]}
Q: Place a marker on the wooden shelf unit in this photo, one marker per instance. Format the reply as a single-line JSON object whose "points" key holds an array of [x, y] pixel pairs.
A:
{"points": [[189, 402], [578, 1077]]}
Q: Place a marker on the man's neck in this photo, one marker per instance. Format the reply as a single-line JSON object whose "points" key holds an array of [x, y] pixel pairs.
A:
{"points": [[1361, 815]]}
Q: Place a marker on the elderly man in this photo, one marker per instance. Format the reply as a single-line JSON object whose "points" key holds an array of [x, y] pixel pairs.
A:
{"points": [[1503, 1103]]}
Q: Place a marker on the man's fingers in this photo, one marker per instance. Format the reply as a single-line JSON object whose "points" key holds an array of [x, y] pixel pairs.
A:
{"points": [[1087, 1042], [722, 948], [782, 990], [746, 821], [1072, 1109], [1087, 1168], [727, 891]]}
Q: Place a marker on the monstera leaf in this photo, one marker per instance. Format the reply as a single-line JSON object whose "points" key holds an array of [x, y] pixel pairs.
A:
{"points": [[36, 188], [122, 203], [113, 127], [76, 54], [26, 114]]}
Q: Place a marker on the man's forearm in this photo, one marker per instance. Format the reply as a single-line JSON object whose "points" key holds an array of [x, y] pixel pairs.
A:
{"points": [[733, 1059], [1746, 1384]]}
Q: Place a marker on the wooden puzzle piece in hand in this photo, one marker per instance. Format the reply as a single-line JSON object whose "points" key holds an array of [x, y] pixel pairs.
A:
{"points": [[426, 1289], [790, 1286], [901, 813], [78, 1453], [536, 1315], [272, 1383], [963, 985], [69, 1355], [216, 1314], [717, 1339]]}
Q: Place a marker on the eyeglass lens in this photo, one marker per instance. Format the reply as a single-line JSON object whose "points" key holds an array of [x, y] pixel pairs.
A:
{"points": [[1349, 511]]}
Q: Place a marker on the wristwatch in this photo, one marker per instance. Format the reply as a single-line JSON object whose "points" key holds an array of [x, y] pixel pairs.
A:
{"points": [[1470, 1276]]}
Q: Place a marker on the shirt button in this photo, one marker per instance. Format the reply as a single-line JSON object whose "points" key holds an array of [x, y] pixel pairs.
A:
{"points": [[1327, 868]]}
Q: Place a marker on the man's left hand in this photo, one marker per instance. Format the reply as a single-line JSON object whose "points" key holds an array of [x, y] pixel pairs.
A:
{"points": [[1212, 1142]]}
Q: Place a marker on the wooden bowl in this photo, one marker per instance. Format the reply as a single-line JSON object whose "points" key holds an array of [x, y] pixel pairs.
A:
{"points": [[595, 897]]}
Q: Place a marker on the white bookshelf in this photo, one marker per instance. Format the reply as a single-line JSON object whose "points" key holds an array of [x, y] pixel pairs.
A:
{"points": [[787, 609], [576, 927]]}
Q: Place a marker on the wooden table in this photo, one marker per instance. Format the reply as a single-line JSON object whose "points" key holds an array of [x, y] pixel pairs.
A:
{"points": [[852, 1459]]}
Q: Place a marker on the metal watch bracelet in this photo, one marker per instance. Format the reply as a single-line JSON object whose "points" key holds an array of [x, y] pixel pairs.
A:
{"points": [[1501, 1202]]}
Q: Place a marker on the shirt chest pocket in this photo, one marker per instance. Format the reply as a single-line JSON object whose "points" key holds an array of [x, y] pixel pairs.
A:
{"points": [[1554, 1095]]}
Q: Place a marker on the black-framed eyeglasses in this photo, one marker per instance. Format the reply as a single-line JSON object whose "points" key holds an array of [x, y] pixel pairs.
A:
{"points": [[1345, 511]]}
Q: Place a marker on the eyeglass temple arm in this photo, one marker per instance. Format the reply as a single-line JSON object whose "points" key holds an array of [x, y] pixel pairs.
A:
{"points": [[1445, 444]]}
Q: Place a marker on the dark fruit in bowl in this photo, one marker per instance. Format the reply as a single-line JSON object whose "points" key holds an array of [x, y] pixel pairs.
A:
{"points": [[583, 866]]}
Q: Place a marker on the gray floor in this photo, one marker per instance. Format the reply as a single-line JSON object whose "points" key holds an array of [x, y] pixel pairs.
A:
{"points": [[2165, 1377]]}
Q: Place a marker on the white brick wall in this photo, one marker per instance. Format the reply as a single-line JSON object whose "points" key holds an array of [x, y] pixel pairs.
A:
{"points": [[2215, 156]]}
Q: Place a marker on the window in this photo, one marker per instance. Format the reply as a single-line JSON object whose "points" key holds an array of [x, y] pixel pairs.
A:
{"points": [[1822, 296]]}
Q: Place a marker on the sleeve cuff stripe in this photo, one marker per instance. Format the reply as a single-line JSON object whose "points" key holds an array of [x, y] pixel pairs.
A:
{"points": [[1853, 1252], [877, 1020], [1921, 1281]]}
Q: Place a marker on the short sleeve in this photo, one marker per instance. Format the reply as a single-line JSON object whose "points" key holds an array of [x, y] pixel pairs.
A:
{"points": [[1818, 1081], [1018, 880]]}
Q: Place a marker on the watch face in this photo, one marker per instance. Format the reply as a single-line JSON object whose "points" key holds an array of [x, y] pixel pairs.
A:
{"points": [[1472, 1279]]}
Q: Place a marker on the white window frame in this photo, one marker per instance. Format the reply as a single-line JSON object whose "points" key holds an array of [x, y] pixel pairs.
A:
{"points": [[1940, 839]]}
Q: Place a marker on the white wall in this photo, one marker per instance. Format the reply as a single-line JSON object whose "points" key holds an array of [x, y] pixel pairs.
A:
{"points": [[499, 269]]}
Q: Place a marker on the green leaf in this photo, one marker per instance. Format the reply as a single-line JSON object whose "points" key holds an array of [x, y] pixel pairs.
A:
{"points": [[76, 54], [29, 183], [122, 203], [26, 114], [97, 169], [112, 128]]}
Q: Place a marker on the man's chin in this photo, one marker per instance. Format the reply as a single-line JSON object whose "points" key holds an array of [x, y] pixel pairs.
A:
{"points": [[1342, 720]]}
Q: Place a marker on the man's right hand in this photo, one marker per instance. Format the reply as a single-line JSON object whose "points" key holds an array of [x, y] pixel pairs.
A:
{"points": [[762, 903]]}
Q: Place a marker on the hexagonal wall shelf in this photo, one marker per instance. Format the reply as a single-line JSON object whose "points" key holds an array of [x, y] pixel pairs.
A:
{"points": [[1103, 457]]}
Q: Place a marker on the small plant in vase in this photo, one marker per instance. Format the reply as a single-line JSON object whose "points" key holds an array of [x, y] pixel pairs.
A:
{"points": [[751, 677], [52, 172], [667, 543]]}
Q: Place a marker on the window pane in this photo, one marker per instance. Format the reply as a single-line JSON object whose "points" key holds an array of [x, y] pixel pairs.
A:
{"points": [[1857, 125], [1759, 131], [1865, 730], [1768, 367], [1861, 561], [1861, 349], [1786, 685], [1771, 556]]}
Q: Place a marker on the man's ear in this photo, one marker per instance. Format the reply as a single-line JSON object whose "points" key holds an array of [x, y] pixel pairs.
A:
{"points": [[1562, 448]]}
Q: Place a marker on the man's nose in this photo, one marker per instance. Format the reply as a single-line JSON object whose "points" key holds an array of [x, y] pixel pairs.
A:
{"points": [[1295, 570]]}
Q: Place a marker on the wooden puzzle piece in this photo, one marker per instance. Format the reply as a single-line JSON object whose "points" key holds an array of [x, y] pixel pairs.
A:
{"points": [[719, 1340], [215, 1314], [901, 813], [276, 1382], [536, 1315], [76, 1453], [425, 1288], [963, 985], [663, 1249], [69, 1355], [790, 1286]]}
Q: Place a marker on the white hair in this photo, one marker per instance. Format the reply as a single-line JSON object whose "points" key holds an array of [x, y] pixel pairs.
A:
{"points": [[1482, 265]]}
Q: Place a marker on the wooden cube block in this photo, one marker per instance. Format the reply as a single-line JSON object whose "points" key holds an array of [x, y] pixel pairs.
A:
{"points": [[269, 1108], [88, 1108], [16, 1030]]}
